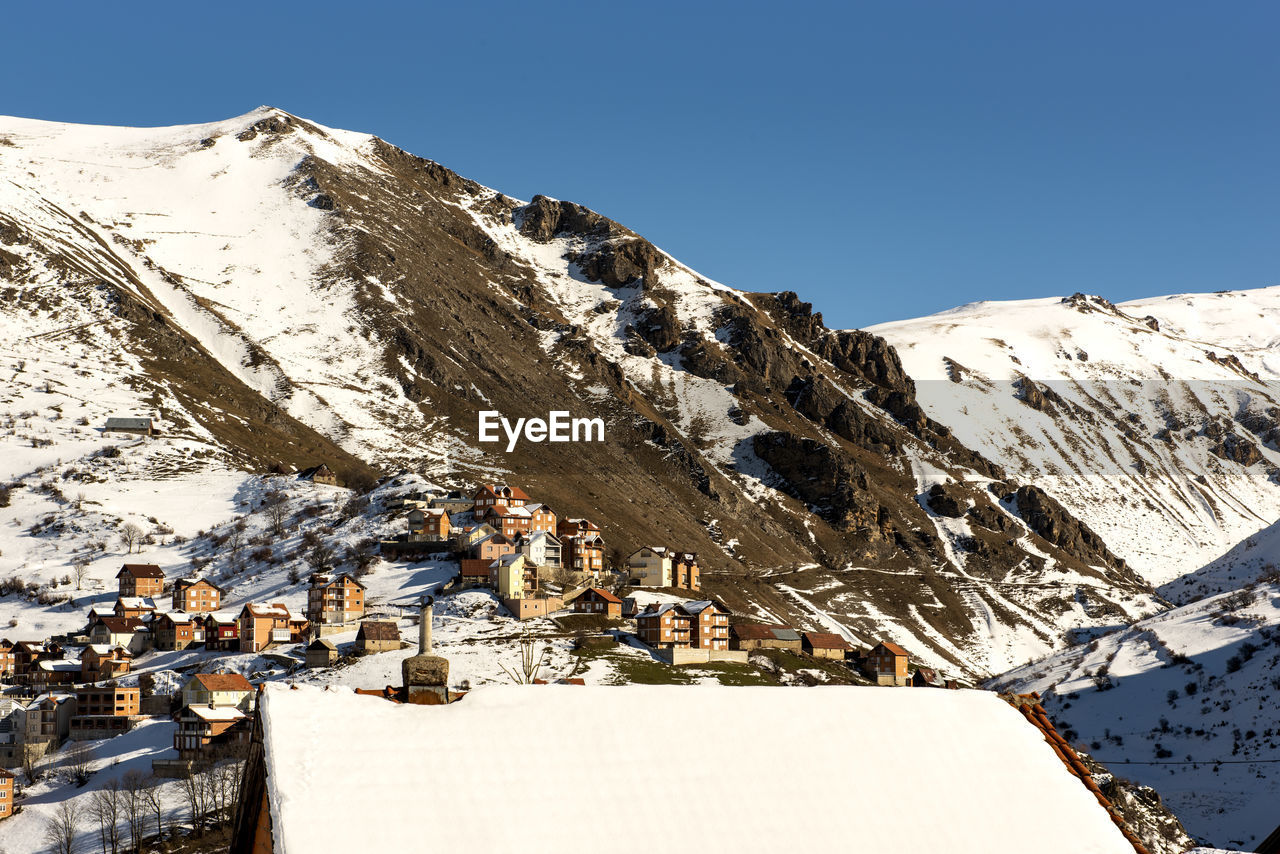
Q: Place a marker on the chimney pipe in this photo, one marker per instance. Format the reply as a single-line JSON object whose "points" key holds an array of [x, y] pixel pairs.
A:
{"points": [[424, 625]]}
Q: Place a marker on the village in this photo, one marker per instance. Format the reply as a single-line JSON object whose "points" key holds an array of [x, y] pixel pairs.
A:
{"points": [[502, 544]]}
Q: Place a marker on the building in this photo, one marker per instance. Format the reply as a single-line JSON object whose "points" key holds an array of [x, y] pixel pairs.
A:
{"points": [[664, 626], [453, 502], [221, 631], [507, 520], [825, 645], [497, 495], [99, 662], [196, 596], [541, 548], [584, 553], [6, 793], [138, 426], [129, 632], [142, 607], [918, 748], [208, 733], [334, 600], [140, 579], [709, 624], [218, 690], [650, 566], [468, 535], [263, 625], [176, 630], [493, 547], [541, 518], [886, 663], [432, 525], [595, 600], [48, 673], [319, 474], [49, 721], [321, 653], [684, 571], [377, 636], [759, 636], [105, 712], [6, 660], [513, 576]]}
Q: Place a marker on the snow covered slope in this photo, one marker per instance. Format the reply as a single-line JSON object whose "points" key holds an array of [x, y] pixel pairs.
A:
{"points": [[1157, 422], [1183, 702]]}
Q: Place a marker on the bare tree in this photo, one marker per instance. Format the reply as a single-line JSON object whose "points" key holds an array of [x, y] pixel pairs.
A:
{"points": [[133, 787], [81, 568], [61, 827], [104, 808], [79, 762], [235, 545], [277, 512], [532, 660], [152, 797], [320, 559], [32, 763], [130, 535]]}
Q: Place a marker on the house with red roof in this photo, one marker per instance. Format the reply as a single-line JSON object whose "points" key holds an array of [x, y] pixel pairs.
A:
{"points": [[887, 664], [596, 600], [263, 625], [825, 645], [140, 579]]}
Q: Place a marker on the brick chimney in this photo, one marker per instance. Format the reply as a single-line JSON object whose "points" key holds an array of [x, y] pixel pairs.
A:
{"points": [[426, 676]]}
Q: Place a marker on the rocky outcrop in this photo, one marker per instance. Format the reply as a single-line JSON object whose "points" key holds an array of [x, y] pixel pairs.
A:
{"points": [[620, 263], [947, 500], [544, 219], [1044, 515]]}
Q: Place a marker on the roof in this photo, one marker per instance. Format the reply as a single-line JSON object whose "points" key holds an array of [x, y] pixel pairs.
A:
{"points": [[826, 640], [695, 608], [990, 782], [321, 643], [128, 423], [222, 682], [502, 490], [184, 583], [378, 630], [217, 713], [122, 625], [759, 631], [603, 594], [137, 603], [141, 570], [275, 610], [892, 647]]}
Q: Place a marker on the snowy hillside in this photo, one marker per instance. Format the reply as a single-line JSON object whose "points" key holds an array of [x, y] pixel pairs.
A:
{"points": [[1157, 422], [273, 290], [1182, 702]]}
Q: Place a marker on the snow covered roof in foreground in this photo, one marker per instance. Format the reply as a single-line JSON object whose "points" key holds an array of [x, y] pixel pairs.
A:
{"points": [[879, 769]]}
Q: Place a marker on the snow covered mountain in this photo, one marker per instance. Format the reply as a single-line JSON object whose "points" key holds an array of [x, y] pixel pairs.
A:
{"points": [[1181, 702], [274, 290], [1157, 422]]}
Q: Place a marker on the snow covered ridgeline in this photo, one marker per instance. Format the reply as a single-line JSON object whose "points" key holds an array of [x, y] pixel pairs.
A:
{"points": [[1157, 421], [957, 769]]}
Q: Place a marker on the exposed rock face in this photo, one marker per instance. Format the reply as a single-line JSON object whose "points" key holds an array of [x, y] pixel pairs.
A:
{"points": [[544, 219], [1049, 519], [946, 502]]}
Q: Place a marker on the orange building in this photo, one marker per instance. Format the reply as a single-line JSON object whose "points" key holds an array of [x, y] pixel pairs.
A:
{"points": [[595, 600], [101, 661], [140, 579], [196, 597], [708, 623], [334, 600], [262, 625], [887, 664], [6, 793]]}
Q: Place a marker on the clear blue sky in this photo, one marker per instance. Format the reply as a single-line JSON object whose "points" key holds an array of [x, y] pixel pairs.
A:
{"points": [[885, 160]]}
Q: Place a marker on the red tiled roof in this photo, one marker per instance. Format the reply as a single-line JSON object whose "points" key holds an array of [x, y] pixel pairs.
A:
{"points": [[1029, 706], [825, 640], [120, 625], [893, 647], [378, 630], [603, 594], [756, 631], [141, 570], [474, 567], [223, 682]]}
